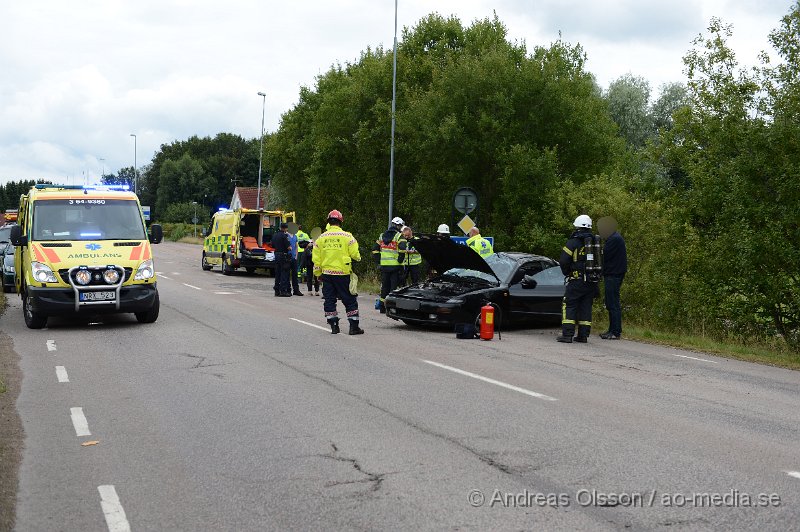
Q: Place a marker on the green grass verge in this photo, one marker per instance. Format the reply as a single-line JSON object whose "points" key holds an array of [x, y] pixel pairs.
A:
{"points": [[773, 355]]}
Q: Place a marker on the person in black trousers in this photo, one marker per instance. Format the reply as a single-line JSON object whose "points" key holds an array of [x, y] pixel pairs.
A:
{"points": [[308, 264], [282, 247], [615, 266]]}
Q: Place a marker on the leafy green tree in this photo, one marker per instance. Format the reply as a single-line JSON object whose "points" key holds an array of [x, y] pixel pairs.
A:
{"points": [[628, 102], [738, 144]]}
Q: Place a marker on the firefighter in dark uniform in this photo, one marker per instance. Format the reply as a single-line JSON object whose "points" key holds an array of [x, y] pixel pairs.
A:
{"points": [[581, 289]]}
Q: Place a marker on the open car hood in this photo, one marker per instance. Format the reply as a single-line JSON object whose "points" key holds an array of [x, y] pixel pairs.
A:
{"points": [[443, 254]]}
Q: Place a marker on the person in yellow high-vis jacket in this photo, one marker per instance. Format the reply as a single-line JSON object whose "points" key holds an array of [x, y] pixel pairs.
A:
{"points": [[333, 255], [480, 245], [412, 263]]}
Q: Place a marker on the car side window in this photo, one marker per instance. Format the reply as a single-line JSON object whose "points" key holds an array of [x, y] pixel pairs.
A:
{"points": [[551, 275]]}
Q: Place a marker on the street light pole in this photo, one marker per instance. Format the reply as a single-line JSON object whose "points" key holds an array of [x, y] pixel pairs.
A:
{"points": [[394, 105], [261, 148], [194, 220], [103, 171], [135, 171]]}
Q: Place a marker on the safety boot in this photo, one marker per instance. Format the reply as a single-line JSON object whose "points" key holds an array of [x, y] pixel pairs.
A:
{"points": [[581, 339], [334, 326], [564, 339], [354, 328]]}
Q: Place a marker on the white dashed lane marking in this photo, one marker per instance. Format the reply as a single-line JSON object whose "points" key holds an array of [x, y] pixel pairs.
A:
{"points": [[51, 345], [224, 293], [162, 276], [795, 474], [320, 327], [79, 421], [191, 286], [61, 374], [694, 358], [492, 381], [116, 520]]}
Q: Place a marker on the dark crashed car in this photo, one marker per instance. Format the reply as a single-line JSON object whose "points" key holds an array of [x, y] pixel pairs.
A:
{"points": [[521, 286]]}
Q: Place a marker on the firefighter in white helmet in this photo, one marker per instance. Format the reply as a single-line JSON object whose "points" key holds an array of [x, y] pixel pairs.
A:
{"points": [[580, 291]]}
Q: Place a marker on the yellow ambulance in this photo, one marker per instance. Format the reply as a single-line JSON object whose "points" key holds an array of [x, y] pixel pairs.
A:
{"points": [[241, 239], [83, 251]]}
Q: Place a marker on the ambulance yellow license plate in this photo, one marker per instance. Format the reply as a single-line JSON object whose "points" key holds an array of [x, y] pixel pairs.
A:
{"points": [[98, 296]]}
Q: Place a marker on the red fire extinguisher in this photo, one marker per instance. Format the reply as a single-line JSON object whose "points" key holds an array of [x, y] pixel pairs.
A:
{"points": [[487, 322]]}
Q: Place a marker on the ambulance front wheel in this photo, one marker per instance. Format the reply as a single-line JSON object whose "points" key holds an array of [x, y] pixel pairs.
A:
{"points": [[34, 320], [149, 316]]}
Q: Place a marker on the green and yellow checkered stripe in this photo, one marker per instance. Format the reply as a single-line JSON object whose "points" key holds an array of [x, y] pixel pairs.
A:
{"points": [[218, 244]]}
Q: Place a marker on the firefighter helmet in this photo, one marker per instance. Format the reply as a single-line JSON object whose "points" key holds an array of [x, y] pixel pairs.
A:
{"points": [[583, 221], [398, 221], [335, 215], [443, 229]]}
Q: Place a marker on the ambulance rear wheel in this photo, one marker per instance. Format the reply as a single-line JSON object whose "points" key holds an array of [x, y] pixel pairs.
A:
{"points": [[34, 320], [149, 316], [226, 269], [204, 264]]}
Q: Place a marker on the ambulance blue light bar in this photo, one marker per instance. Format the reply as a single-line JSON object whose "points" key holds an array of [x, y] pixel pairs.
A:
{"points": [[83, 187]]}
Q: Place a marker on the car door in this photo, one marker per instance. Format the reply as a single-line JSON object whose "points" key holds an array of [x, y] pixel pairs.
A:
{"points": [[543, 300]]}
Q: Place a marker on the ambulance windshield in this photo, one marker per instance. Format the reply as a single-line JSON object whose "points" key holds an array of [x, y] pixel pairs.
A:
{"points": [[87, 219]]}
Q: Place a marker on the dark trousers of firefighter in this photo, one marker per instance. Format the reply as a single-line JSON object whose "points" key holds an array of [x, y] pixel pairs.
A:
{"points": [[338, 287], [282, 264], [390, 278], [613, 283], [577, 308]]}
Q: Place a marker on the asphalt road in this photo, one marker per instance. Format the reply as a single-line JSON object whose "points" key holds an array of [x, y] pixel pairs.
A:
{"points": [[239, 411]]}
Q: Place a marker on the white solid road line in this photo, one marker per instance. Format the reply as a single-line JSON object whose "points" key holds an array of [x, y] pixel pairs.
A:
{"points": [[116, 519], [191, 286], [224, 293], [694, 358], [492, 381], [51, 345], [320, 327], [79, 421], [795, 474], [163, 276], [61, 373]]}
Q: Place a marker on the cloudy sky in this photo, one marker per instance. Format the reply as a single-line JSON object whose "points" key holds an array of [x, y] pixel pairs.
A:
{"points": [[79, 77]]}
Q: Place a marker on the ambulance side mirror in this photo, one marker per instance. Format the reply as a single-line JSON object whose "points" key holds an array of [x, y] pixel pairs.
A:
{"points": [[156, 234], [16, 237]]}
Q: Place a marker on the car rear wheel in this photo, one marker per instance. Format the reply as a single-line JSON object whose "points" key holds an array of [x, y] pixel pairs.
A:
{"points": [[149, 316], [204, 264], [34, 320]]}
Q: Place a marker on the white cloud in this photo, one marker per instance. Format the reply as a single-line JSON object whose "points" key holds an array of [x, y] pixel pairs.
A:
{"points": [[78, 78]]}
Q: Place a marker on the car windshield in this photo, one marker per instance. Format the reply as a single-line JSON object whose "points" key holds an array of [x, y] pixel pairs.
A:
{"points": [[501, 265], [87, 219]]}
